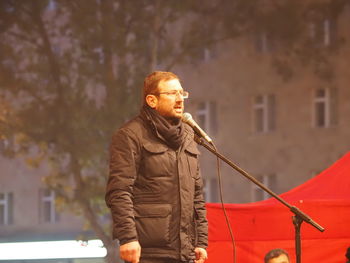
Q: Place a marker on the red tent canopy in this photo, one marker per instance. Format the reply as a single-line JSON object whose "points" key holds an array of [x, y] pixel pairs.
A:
{"points": [[261, 226]]}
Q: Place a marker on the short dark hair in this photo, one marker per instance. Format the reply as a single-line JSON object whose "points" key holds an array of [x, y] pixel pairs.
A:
{"points": [[274, 253], [347, 255], [151, 82]]}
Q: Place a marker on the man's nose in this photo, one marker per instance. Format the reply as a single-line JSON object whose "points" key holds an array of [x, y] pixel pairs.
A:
{"points": [[179, 97]]}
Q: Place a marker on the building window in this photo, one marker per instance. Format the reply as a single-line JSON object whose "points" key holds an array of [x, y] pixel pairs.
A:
{"points": [[6, 145], [206, 116], [6, 208], [52, 5], [263, 43], [259, 194], [56, 49], [203, 54], [48, 213], [323, 32], [264, 113], [211, 190], [3, 144], [321, 108], [324, 107]]}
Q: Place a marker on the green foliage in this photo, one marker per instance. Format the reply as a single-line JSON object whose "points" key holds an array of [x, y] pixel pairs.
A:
{"points": [[74, 73]]}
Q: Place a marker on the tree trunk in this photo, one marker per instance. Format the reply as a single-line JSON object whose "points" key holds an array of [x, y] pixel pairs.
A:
{"points": [[110, 245], [155, 36]]}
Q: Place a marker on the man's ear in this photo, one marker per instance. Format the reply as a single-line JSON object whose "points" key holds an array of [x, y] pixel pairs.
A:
{"points": [[151, 100]]}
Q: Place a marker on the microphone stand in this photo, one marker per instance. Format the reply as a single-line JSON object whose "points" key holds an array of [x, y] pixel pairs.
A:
{"points": [[299, 216]]}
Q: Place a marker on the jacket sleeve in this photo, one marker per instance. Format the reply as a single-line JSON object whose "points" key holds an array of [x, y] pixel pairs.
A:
{"points": [[200, 213], [123, 166]]}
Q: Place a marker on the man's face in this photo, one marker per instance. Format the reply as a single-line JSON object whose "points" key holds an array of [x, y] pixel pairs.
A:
{"points": [[280, 259], [169, 105]]}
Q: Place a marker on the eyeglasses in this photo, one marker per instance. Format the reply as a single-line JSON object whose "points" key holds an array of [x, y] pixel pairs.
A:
{"points": [[174, 93]]}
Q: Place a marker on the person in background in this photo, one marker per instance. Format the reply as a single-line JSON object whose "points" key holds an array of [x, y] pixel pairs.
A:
{"points": [[154, 188], [277, 255], [347, 255]]}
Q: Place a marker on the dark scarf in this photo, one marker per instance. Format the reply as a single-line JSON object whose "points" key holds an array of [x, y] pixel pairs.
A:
{"points": [[172, 133]]}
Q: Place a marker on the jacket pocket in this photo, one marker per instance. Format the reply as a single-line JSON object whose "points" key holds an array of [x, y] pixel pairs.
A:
{"points": [[155, 147], [156, 161], [152, 224]]}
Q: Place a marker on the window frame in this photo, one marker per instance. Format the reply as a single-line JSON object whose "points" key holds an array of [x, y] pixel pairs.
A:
{"points": [[209, 115], [269, 180], [326, 102], [268, 113], [49, 199], [7, 205], [211, 189]]}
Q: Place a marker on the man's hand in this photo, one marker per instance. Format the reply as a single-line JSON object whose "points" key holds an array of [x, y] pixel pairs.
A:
{"points": [[131, 251], [201, 255]]}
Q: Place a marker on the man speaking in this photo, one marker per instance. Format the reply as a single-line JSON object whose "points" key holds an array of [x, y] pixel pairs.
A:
{"points": [[154, 188]]}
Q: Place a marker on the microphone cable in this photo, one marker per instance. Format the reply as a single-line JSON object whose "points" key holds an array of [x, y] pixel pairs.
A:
{"points": [[223, 206]]}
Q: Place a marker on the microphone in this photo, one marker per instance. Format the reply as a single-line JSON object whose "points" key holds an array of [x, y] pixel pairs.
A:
{"points": [[187, 118]]}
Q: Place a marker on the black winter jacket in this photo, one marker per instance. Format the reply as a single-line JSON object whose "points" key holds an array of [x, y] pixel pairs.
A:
{"points": [[155, 192]]}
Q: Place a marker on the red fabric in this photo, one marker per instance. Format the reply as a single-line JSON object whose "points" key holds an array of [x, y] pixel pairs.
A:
{"points": [[261, 226]]}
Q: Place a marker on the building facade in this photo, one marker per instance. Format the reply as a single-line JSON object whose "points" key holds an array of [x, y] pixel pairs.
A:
{"points": [[282, 132]]}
